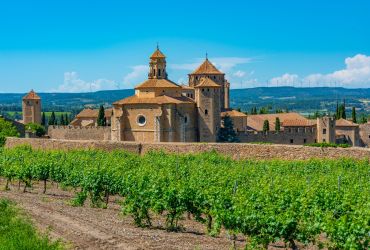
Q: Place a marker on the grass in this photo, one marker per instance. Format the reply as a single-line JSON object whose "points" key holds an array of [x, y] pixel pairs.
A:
{"points": [[17, 232], [328, 145]]}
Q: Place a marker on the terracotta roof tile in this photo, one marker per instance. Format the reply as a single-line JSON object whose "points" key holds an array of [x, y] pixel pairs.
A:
{"points": [[207, 82], [157, 54], [298, 123], [207, 68], [93, 113], [155, 100], [233, 113], [255, 122], [345, 123], [32, 96], [186, 87], [157, 83]]}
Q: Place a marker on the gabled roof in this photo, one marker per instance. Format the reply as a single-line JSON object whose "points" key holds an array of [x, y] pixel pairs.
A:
{"points": [[255, 122], [31, 96], [157, 83], [207, 82], [233, 113], [299, 123], [164, 99], [93, 113], [345, 123], [157, 54], [207, 68], [186, 87]]}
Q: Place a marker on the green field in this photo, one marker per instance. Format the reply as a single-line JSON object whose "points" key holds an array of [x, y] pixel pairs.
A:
{"points": [[17, 232], [320, 202]]}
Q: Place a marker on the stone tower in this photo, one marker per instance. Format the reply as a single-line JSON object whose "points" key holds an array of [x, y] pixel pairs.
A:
{"points": [[326, 129], [157, 65], [208, 70], [207, 98], [31, 108]]}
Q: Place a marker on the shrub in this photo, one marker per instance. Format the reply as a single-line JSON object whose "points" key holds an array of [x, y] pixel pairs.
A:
{"points": [[328, 145], [36, 128]]}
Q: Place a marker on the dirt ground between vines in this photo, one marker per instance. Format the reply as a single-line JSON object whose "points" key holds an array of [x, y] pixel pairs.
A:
{"points": [[97, 228]]}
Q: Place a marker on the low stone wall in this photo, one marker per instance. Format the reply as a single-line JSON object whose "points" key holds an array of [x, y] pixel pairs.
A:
{"points": [[235, 150], [79, 133], [54, 144]]}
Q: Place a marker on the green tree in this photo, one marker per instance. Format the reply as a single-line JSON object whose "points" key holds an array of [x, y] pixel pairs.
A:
{"points": [[36, 128], [52, 119], [363, 119], [354, 118], [101, 117], [227, 133], [62, 119], [266, 126], [43, 119], [66, 119], [7, 129], [277, 124]]}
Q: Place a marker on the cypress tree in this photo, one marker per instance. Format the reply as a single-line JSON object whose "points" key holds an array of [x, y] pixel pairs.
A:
{"points": [[66, 119], [266, 126], [43, 119], [277, 124], [337, 115], [101, 117], [62, 120], [227, 133], [52, 119], [354, 118], [363, 119]]}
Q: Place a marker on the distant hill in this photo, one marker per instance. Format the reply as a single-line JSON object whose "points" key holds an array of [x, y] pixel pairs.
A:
{"points": [[304, 100]]}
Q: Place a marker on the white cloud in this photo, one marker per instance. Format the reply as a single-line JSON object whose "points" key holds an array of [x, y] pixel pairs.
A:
{"points": [[355, 74], [239, 74], [138, 74], [225, 64], [72, 83], [285, 79]]}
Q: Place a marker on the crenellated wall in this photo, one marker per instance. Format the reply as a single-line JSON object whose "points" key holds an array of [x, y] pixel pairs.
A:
{"points": [[79, 133], [235, 150]]}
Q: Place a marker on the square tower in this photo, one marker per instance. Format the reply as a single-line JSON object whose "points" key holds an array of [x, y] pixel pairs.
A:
{"points": [[31, 108]]}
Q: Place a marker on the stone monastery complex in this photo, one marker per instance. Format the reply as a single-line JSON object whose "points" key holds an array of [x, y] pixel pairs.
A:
{"points": [[163, 111]]}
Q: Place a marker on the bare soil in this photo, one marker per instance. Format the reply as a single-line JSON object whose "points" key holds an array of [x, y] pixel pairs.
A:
{"points": [[97, 228]]}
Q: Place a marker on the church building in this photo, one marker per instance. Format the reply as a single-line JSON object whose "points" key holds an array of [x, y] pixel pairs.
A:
{"points": [[163, 111]]}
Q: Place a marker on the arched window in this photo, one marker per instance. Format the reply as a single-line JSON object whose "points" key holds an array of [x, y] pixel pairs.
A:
{"points": [[206, 112], [159, 72]]}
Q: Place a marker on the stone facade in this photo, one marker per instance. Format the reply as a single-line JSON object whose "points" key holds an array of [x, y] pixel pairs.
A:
{"points": [[365, 135], [162, 111], [31, 108], [79, 133], [235, 150]]}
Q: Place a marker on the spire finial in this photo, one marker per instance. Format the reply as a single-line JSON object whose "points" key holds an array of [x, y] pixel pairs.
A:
{"points": [[206, 55], [157, 46]]}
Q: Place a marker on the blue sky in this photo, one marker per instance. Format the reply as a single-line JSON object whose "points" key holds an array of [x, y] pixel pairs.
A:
{"points": [[76, 46]]}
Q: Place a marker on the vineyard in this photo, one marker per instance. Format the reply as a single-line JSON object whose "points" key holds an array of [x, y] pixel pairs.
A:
{"points": [[318, 202]]}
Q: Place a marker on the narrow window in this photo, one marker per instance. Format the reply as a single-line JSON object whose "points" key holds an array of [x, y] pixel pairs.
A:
{"points": [[291, 140], [186, 119], [323, 140], [159, 72], [324, 131], [304, 140], [206, 111]]}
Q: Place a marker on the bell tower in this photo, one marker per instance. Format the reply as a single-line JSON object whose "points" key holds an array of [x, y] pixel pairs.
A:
{"points": [[157, 65], [31, 108]]}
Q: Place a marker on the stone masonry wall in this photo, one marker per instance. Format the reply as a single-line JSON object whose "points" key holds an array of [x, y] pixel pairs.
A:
{"points": [[235, 150], [79, 133]]}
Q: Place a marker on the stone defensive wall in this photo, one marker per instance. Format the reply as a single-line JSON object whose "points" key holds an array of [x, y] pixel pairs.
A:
{"points": [[235, 150], [80, 133]]}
